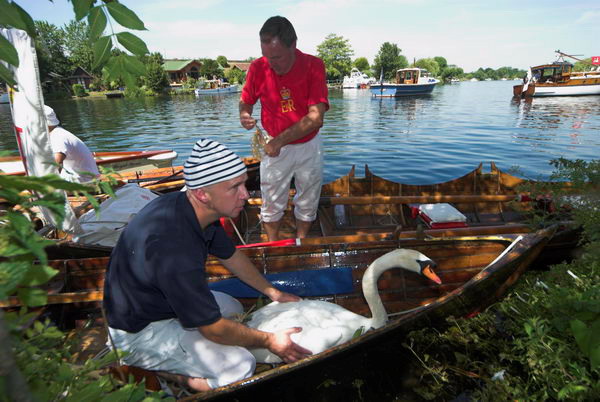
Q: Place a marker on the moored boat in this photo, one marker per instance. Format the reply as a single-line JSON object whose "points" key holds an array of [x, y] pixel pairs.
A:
{"points": [[356, 79], [120, 161], [409, 81], [372, 208], [559, 79], [215, 87], [475, 272], [376, 208]]}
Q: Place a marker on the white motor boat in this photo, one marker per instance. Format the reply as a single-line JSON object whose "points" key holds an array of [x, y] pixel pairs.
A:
{"points": [[356, 79]]}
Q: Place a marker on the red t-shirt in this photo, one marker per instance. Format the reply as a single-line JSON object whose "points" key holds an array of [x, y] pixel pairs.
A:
{"points": [[285, 98]]}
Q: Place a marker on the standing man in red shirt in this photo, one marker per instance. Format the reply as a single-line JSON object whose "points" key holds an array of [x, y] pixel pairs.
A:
{"points": [[292, 90]]}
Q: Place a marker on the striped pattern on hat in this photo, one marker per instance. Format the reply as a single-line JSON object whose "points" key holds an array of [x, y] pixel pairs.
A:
{"points": [[210, 163]]}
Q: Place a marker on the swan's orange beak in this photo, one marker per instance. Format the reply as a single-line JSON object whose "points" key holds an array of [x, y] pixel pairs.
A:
{"points": [[428, 272]]}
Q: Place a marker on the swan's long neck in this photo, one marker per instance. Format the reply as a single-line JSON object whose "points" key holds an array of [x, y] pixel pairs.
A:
{"points": [[369, 285]]}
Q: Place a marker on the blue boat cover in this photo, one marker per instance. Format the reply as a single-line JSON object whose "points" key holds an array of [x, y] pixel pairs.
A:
{"points": [[318, 282]]}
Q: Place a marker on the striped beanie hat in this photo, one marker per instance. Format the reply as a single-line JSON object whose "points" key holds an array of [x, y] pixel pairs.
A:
{"points": [[210, 163]]}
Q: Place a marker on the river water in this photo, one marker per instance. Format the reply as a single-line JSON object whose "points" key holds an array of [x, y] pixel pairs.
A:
{"points": [[416, 140]]}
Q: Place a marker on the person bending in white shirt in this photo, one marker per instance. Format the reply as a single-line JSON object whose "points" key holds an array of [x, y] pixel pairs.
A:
{"points": [[76, 161]]}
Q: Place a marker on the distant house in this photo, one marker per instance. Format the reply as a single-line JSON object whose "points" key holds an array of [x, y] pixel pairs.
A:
{"points": [[239, 64], [80, 76], [178, 71]]}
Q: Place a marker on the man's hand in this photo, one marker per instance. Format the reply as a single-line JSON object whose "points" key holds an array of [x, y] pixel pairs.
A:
{"points": [[272, 148], [282, 345], [282, 297], [247, 121]]}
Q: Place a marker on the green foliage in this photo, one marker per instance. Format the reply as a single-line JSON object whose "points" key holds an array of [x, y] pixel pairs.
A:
{"points": [[78, 90], [85, 44], [134, 92], [362, 64], [430, 65], [542, 342], [583, 65], [336, 53], [390, 60], [441, 61], [503, 72], [77, 45], [190, 84], [41, 351], [52, 372], [578, 200], [222, 60], [19, 244], [210, 68], [449, 73], [235, 76], [50, 49], [155, 77], [525, 340]]}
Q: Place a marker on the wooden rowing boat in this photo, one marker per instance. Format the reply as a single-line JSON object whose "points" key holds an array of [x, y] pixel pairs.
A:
{"points": [[475, 271], [120, 162], [375, 208], [164, 180]]}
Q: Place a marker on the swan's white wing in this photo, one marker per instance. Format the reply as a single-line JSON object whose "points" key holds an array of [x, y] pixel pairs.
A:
{"points": [[323, 325]]}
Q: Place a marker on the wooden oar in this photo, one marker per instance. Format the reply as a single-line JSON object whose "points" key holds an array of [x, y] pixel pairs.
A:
{"points": [[406, 199], [60, 298]]}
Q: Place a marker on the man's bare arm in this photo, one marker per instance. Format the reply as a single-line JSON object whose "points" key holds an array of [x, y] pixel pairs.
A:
{"points": [[240, 265], [227, 332], [309, 123]]}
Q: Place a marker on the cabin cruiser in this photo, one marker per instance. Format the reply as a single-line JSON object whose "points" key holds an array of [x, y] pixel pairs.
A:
{"points": [[409, 81], [356, 79], [559, 79]]}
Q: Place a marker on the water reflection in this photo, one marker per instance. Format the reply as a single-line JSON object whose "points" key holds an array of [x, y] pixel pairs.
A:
{"points": [[575, 117]]}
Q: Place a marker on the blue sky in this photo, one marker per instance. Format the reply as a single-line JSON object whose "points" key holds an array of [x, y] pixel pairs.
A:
{"points": [[468, 33]]}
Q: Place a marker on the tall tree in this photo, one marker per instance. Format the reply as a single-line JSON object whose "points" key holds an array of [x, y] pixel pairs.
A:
{"points": [[50, 49], [441, 61], [389, 59], [155, 78], [78, 45], [210, 68], [362, 64], [222, 60], [430, 65], [336, 53]]}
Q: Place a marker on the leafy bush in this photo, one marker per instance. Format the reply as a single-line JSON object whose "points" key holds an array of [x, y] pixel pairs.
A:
{"points": [[524, 347], [78, 90], [543, 340], [134, 92], [43, 363], [235, 76], [189, 85]]}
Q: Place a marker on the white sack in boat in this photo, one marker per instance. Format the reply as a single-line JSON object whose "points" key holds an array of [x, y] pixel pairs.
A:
{"points": [[105, 228], [442, 212]]}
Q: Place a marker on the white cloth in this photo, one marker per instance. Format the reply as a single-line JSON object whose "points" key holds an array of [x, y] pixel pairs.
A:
{"points": [[167, 346], [29, 119], [105, 226], [303, 162], [79, 164]]}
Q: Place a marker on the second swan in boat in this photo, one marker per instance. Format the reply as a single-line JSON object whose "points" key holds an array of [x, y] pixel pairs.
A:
{"points": [[325, 324]]}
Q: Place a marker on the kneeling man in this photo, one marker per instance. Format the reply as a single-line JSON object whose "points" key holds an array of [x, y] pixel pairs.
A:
{"points": [[158, 304]]}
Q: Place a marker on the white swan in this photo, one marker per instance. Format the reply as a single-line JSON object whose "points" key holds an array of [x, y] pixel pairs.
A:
{"points": [[325, 324]]}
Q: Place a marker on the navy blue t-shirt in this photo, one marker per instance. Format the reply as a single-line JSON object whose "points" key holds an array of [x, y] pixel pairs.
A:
{"points": [[156, 270]]}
